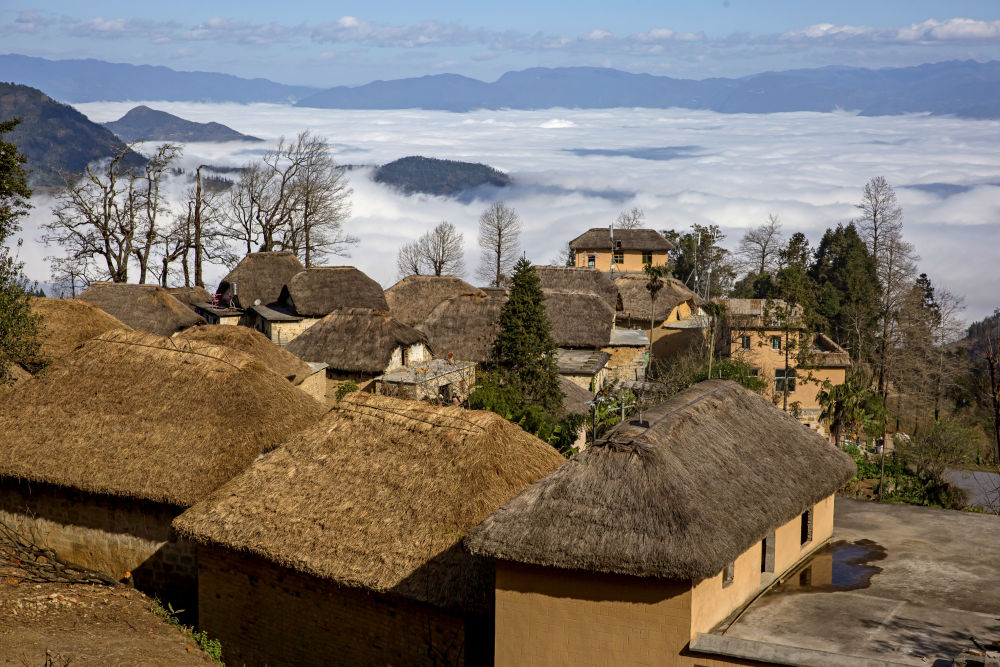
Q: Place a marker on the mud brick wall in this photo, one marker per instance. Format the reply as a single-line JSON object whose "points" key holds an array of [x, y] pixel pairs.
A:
{"points": [[266, 614], [111, 534]]}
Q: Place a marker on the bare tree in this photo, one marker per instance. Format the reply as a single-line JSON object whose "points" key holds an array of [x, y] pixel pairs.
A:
{"points": [[442, 249], [148, 235], [408, 261], [630, 219], [760, 247], [499, 232]]}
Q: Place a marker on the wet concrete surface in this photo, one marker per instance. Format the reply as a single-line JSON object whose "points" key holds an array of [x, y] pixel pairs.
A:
{"points": [[903, 584]]}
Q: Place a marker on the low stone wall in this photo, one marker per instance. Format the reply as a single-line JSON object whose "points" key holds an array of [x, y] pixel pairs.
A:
{"points": [[110, 534]]}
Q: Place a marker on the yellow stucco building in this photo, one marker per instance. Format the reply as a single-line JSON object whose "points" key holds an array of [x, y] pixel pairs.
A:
{"points": [[620, 249], [647, 541]]}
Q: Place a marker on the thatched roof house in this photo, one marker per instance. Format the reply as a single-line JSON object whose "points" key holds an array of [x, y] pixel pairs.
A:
{"points": [[358, 518], [827, 354], [66, 323], [258, 277], [413, 298], [358, 340], [578, 319], [135, 415], [580, 279], [575, 397], [465, 325], [625, 239], [319, 291], [716, 470], [635, 297], [190, 296], [253, 343], [147, 307]]}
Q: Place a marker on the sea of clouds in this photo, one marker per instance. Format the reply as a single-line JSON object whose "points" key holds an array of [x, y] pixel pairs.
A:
{"points": [[576, 169]]}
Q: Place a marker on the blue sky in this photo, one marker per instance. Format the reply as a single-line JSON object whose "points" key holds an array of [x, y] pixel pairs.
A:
{"points": [[329, 43]]}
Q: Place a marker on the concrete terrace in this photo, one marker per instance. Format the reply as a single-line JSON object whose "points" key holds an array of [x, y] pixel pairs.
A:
{"points": [[937, 586]]}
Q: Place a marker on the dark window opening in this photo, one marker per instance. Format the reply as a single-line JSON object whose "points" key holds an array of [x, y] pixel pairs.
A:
{"points": [[591, 261], [767, 554], [619, 257], [744, 342], [754, 372], [806, 526], [728, 575], [781, 379], [776, 343], [647, 258], [618, 244]]}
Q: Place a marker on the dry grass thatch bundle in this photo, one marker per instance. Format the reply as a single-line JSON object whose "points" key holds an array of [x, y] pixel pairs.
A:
{"points": [[190, 295], [259, 276], [318, 291], [254, 343], [355, 340], [378, 495], [465, 325], [635, 297], [66, 323], [580, 279], [413, 298], [718, 469], [827, 354], [578, 319], [599, 238], [137, 415], [147, 307], [575, 397]]}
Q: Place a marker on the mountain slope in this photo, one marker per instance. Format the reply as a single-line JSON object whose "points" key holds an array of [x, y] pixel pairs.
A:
{"points": [[55, 137], [438, 177], [96, 80], [144, 124]]}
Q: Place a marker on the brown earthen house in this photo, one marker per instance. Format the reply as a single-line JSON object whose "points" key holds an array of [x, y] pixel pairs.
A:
{"points": [[620, 249], [413, 298], [659, 532], [145, 307], [124, 432], [343, 546]]}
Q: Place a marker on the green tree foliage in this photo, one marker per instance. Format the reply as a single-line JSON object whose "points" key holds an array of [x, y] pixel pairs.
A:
{"points": [[849, 408], [700, 261], [18, 327], [438, 177]]}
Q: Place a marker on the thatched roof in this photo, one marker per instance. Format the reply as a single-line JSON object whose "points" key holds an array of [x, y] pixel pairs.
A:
{"points": [[254, 343], [377, 495], [355, 340], [575, 397], [827, 354], [66, 323], [577, 279], [259, 277], [141, 416], [466, 325], [635, 297], [147, 307], [751, 312], [413, 298], [717, 469], [578, 319], [318, 291], [599, 238], [189, 296]]}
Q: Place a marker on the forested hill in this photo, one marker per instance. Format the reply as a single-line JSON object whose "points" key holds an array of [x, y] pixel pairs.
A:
{"points": [[438, 177], [144, 124], [55, 137]]}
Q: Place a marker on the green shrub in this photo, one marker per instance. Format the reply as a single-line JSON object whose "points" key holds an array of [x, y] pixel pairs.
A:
{"points": [[346, 388]]}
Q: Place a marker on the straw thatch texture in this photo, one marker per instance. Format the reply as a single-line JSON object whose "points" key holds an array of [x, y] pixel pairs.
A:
{"points": [[575, 397], [147, 307], [718, 469], [137, 415], [466, 325], [828, 354], [578, 319], [355, 340], [321, 290], [254, 343], [189, 296], [259, 276], [577, 279], [635, 297], [66, 323], [413, 298], [378, 495], [599, 238]]}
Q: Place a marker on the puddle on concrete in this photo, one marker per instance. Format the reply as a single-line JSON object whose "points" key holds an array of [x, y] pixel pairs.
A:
{"points": [[840, 566]]}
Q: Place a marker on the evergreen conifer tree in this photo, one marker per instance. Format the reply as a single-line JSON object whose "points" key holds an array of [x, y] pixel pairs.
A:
{"points": [[524, 352]]}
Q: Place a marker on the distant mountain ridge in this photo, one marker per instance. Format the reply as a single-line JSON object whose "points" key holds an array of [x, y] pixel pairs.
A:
{"points": [[56, 138], [438, 177], [144, 124]]}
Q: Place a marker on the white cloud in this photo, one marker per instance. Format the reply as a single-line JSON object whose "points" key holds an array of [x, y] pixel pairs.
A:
{"points": [[928, 32], [807, 168]]}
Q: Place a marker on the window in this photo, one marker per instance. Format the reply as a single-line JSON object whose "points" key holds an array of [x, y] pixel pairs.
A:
{"points": [[767, 554], [591, 261], [647, 258], [619, 257], [728, 575], [780, 380], [744, 342], [807, 527], [776, 343], [618, 244], [754, 372]]}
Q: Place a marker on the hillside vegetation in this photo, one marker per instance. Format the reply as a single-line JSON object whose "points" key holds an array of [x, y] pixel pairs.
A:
{"points": [[55, 137], [438, 177], [144, 124]]}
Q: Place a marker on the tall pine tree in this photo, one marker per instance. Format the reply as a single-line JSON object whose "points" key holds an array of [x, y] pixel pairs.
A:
{"points": [[524, 352]]}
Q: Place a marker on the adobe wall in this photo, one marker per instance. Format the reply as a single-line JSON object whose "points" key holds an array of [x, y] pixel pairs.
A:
{"points": [[626, 363], [315, 385], [113, 535], [632, 259], [266, 614]]}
